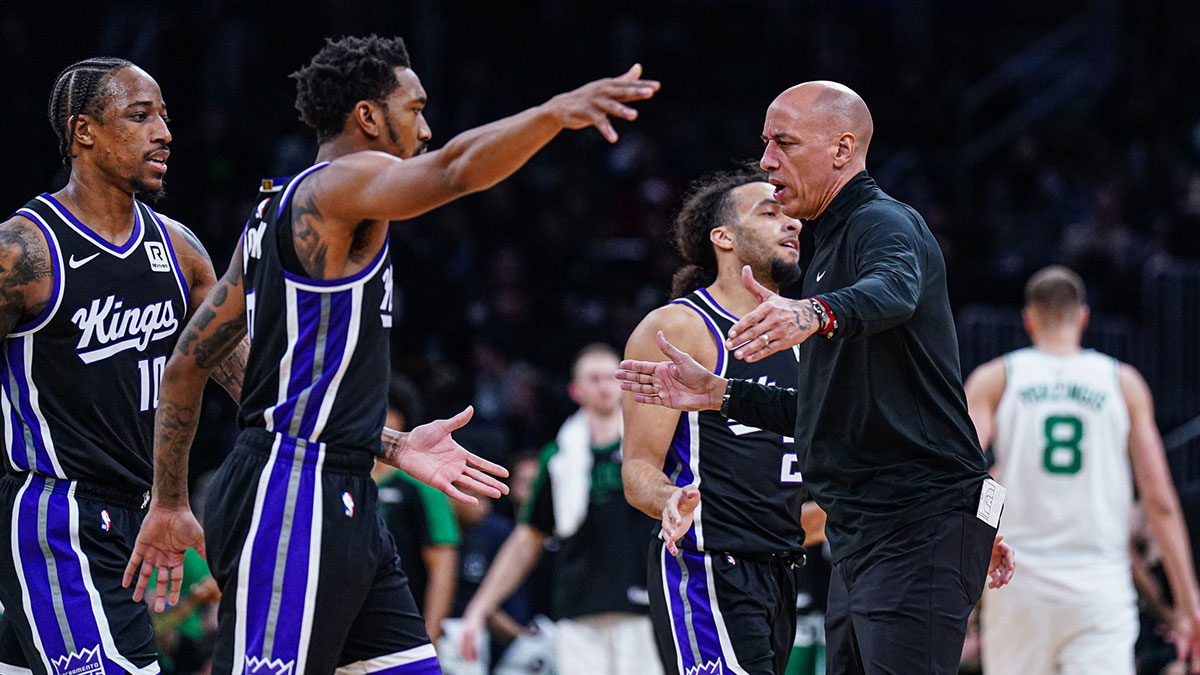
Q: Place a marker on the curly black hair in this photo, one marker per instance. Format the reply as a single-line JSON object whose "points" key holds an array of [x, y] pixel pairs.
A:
{"points": [[343, 73], [706, 206], [80, 89]]}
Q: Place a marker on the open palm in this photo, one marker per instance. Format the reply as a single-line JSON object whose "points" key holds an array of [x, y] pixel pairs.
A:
{"points": [[433, 457], [681, 383]]}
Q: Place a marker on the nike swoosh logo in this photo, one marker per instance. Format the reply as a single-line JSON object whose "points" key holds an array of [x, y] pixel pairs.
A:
{"points": [[80, 263], [818, 276]]}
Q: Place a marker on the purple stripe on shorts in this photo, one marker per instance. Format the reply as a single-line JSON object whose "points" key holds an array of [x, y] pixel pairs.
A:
{"points": [[674, 576], [266, 545], [703, 620], [299, 565], [70, 587], [33, 567]]}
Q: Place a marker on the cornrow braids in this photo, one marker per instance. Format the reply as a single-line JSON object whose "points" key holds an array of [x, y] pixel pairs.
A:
{"points": [[79, 90]]}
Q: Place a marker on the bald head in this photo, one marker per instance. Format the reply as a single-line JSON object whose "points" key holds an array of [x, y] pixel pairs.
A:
{"points": [[834, 107], [816, 136]]}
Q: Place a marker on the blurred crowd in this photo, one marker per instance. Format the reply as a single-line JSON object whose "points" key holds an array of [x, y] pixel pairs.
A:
{"points": [[497, 291]]}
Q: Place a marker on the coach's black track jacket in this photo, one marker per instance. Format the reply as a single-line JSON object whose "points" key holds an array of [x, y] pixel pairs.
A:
{"points": [[879, 415]]}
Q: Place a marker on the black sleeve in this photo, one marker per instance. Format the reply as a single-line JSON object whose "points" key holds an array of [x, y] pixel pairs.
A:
{"points": [[889, 251], [766, 407]]}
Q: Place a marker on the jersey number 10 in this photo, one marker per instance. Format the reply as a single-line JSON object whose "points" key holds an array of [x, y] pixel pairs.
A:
{"points": [[1062, 454], [151, 374]]}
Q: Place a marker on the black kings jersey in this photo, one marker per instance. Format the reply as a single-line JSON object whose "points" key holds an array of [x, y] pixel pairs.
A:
{"points": [[319, 361], [81, 380], [749, 481]]}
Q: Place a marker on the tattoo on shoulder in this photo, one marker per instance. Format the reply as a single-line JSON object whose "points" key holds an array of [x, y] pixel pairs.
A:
{"points": [[305, 216], [24, 261]]}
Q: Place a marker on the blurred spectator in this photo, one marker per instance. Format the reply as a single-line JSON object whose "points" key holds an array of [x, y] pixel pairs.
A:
{"points": [[600, 573]]}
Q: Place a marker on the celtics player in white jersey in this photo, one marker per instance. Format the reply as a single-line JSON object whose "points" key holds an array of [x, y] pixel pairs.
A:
{"points": [[1073, 432]]}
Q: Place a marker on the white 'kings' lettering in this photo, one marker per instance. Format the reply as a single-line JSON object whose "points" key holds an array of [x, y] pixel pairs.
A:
{"points": [[115, 328]]}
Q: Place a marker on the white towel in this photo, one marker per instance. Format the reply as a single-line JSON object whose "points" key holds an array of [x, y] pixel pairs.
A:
{"points": [[571, 475]]}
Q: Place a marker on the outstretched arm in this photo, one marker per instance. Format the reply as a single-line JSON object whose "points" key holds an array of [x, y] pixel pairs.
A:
{"points": [[1160, 502], [378, 186], [649, 428], [429, 454], [169, 529]]}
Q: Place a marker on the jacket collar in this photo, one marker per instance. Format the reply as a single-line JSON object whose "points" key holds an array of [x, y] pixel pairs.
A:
{"points": [[858, 190]]}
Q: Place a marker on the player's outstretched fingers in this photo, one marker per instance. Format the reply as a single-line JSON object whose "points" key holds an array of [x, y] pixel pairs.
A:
{"points": [[634, 73], [131, 568], [630, 368], [483, 483], [460, 420], [162, 585], [490, 467], [143, 582], [176, 583], [458, 495]]}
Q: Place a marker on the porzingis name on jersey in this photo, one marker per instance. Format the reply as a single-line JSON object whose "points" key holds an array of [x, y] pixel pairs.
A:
{"points": [[1059, 391], [109, 328]]}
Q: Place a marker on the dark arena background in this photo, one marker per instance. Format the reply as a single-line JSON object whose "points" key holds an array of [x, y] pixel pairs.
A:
{"points": [[1026, 133]]}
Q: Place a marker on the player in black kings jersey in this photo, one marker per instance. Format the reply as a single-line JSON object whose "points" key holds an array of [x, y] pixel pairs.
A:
{"points": [[310, 578], [95, 289], [723, 594]]}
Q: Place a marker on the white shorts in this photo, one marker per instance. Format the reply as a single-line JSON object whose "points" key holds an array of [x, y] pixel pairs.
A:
{"points": [[1034, 627], [607, 644]]}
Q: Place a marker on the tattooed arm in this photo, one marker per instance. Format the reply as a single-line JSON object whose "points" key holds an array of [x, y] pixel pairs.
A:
{"points": [[198, 270], [26, 273], [212, 334]]}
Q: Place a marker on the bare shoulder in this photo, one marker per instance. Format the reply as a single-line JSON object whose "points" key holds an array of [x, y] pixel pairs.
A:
{"points": [[191, 254], [682, 327], [1133, 385], [989, 378], [185, 242]]}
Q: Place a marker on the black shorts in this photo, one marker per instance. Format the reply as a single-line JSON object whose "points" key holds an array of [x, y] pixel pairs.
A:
{"points": [[60, 581], [901, 604], [722, 613], [309, 575]]}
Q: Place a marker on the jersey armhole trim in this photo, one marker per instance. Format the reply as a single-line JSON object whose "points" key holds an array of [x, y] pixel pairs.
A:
{"points": [[712, 327], [175, 267], [57, 282]]}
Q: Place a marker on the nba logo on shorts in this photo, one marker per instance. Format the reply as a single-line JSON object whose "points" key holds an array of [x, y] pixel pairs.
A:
{"points": [[348, 502], [158, 257], [105, 521]]}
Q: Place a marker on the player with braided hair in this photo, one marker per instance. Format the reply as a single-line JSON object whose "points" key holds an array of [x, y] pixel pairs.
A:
{"points": [[94, 288]]}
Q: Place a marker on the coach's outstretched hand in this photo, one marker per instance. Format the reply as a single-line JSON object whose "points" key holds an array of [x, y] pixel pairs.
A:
{"points": [[166, 534], [777, 323], [1002, 564], [681, 383], [593, 103], [429, 454]]}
